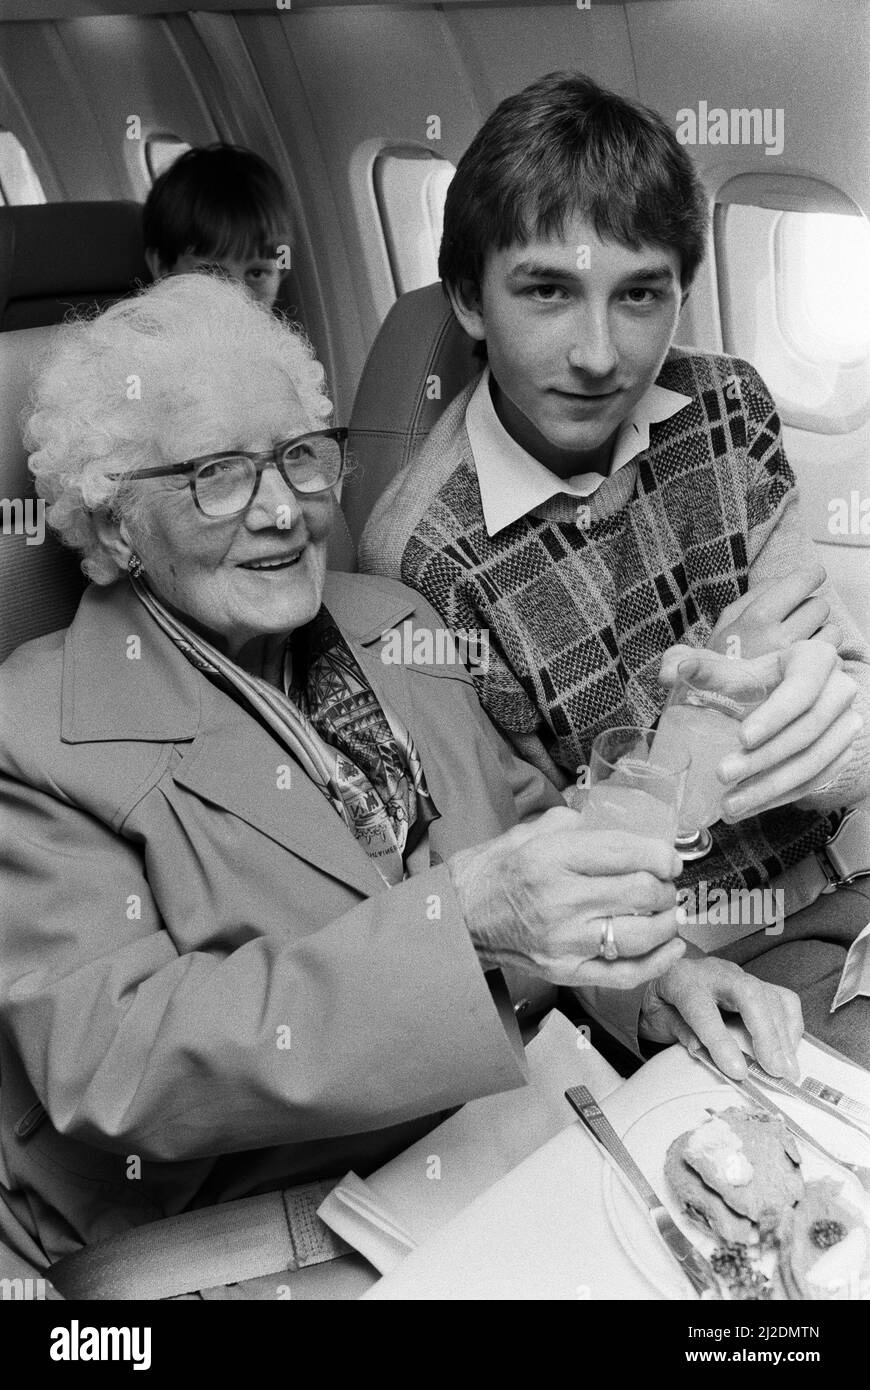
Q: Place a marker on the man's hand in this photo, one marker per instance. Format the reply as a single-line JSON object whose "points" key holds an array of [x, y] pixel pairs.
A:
{"points": [[538, 896], [799, 740], [684, 1004], [795, 743], [772, 615]]}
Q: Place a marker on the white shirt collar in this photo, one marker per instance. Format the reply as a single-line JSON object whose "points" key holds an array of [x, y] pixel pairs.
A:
{"points": [[512, 482]]}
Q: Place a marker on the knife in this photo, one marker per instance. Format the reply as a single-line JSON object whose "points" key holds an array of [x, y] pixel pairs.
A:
{"points": [[788, 1088], [694, 1266]]}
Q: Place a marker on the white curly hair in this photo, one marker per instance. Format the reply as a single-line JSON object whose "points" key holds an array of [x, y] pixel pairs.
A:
{"points": [[86, 420]]}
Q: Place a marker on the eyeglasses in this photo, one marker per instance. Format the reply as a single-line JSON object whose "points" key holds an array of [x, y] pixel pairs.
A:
{"points": [[225, 484]]}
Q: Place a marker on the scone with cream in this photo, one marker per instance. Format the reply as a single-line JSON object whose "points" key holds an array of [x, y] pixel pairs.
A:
{"points": [[738, 1175]]}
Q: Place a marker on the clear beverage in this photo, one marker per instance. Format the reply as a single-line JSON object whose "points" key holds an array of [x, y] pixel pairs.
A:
{"points": [[630, 791], [610, 806], [710, 698], [707, 735]]}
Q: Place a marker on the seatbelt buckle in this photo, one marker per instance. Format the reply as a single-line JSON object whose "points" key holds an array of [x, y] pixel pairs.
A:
{"points": [[846, 856]]}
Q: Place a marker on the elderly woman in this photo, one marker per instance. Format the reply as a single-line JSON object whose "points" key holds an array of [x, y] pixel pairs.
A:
{"points": [[249, 942]]}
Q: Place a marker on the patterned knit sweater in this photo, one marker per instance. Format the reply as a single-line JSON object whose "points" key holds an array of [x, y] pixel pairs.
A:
{"points": [[578, 617]]}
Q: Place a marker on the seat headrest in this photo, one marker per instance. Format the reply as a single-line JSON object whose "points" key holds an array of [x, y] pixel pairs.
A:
{"points": [[420, 360], [54, 256]]}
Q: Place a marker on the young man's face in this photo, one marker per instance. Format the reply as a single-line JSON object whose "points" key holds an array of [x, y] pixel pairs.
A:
{"points": [[572, 349]]}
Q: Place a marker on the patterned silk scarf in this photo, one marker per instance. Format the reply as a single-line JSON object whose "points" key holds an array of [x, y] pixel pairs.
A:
{"points": [[356, 752]]}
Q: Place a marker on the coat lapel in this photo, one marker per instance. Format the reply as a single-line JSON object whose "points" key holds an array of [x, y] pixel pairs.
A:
{"points": [[115, 691], [237, 764]]}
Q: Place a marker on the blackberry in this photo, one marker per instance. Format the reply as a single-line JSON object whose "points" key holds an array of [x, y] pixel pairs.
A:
{"points": [[730, 1261], [826, 1233]]}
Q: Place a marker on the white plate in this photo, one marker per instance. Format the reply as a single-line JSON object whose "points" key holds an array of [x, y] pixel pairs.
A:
{"points": [[647, 1140]]}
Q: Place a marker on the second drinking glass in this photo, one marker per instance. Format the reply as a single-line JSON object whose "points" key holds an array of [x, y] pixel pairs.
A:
{"points": [[702, 716]]}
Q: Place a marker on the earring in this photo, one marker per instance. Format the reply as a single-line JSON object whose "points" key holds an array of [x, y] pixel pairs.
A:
{"points": [[135, 566]]}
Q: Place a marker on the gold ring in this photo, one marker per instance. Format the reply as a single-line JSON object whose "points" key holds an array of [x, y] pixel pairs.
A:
{"points": [[608, 948]]}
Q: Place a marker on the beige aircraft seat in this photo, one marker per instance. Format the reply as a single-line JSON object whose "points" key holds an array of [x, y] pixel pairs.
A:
{"points": [[57, 256], [290, 301], [420, 360], [40, 581]]}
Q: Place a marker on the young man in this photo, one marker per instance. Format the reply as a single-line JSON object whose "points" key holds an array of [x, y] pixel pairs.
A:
{"points": [[220, 209], [599, 501]]}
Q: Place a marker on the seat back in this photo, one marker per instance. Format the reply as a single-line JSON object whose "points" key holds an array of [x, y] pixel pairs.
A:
{"points": [[342, 549], [40, 581], [289, 301], [57, 256], [420, 360]]}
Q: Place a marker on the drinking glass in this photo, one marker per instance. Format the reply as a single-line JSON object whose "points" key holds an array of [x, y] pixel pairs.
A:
{"points": [[702, 715], [628, 790]]}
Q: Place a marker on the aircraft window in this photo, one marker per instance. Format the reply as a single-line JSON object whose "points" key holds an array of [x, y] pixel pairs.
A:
{"points": [[410, 186], [827, 259], [18, 178], [794, 290], [161, 151]]}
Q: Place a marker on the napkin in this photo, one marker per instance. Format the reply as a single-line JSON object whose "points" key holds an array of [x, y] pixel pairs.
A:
{"points": [[855, 978], [355, 1212], [541, 1233], [422, 1189]]}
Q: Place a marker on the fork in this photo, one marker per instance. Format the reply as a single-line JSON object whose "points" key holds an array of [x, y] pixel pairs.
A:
{"points": [[802, 1092], [838, 1099], [696, 1269], [746, 1088]]}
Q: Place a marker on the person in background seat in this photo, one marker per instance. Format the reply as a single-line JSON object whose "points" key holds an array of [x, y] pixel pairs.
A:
{"points": [[220, 209]]}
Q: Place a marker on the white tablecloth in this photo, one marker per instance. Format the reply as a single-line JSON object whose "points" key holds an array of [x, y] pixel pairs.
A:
{"points": [[488, 1138]]}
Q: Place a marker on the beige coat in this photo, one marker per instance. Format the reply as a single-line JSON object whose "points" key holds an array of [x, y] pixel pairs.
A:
{"points": [[173, 918]]}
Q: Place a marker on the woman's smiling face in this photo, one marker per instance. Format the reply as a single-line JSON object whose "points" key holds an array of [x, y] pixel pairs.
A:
{"points": [[259, 573]]}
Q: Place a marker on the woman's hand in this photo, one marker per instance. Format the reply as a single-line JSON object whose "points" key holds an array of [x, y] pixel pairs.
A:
{"points": [[684, 1005], [538, 897], [798, 741]]}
